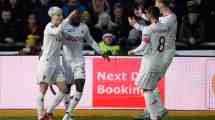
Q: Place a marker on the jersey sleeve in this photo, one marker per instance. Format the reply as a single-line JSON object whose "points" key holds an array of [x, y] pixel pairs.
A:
{"points": [[91, 41], [158, 27], [65, 21], [168, 21]]}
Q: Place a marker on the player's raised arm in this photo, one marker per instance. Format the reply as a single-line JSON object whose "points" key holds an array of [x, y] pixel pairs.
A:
{"points": [[147, 29], [141, 47], [142, 28], [72, 14], [159, 27], [132, 21]]}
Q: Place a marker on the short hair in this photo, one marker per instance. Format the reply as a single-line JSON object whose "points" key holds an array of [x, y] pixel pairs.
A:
{"points": [[154, 12], [55, 11]]}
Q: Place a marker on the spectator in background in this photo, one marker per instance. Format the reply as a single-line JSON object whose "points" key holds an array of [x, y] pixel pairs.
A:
{"points": [[33, 35], [192, 28], [86, 18], [41, 9], [104, 25], [208, 15], [98, 7], [108, 46], [179, 7], [134, 36], [18, 9], [119, 17], [69, 6], [9, 32], [84, 4], [3, 4]]}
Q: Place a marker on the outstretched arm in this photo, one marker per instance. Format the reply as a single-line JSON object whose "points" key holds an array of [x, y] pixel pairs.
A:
{"points": [[141, 47], [94, 45], [150, 28], [91, 41]]}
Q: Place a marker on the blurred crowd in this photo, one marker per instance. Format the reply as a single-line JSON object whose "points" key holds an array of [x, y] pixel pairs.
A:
{"points": [[22, 23]]}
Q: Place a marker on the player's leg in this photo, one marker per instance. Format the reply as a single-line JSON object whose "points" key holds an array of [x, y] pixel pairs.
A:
{"points": [[79, 83], [162, 110], [57, 99], [44, 75], [139, 82], [147, 81], [79, 76], [169, 55], [40, 100], [69, 79], [150, 104], [67, 97], [59, 81]]}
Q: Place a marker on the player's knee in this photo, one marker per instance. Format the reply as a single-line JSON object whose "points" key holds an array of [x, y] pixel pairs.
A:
{"points": [[80, 85], [43, 88]]}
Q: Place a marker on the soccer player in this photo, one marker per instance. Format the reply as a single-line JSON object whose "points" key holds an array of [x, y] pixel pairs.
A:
{"points": [[154, 42], [49, 70], [169, 19], [74, 33]]}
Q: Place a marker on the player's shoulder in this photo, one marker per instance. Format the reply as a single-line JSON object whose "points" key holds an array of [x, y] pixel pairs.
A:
{"points": [[83, 26], [168, 17], [172, 16], [48, 26]]}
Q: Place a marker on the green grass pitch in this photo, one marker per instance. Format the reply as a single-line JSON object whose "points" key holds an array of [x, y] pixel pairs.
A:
{"points": [[115, 118]]}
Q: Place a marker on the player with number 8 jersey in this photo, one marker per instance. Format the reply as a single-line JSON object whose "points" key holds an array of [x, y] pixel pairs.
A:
{"points": [[153, 61], [154, 46]]}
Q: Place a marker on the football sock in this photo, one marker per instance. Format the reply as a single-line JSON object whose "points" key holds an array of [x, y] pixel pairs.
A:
{"points": [[58, 98], [156, 96], [40, 104], [67, 101], [150, 105], [74, 101]]}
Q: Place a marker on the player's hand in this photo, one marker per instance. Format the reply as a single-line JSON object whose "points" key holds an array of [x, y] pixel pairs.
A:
{"points": [[132, 21], [106, 57], [130, 52]]}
